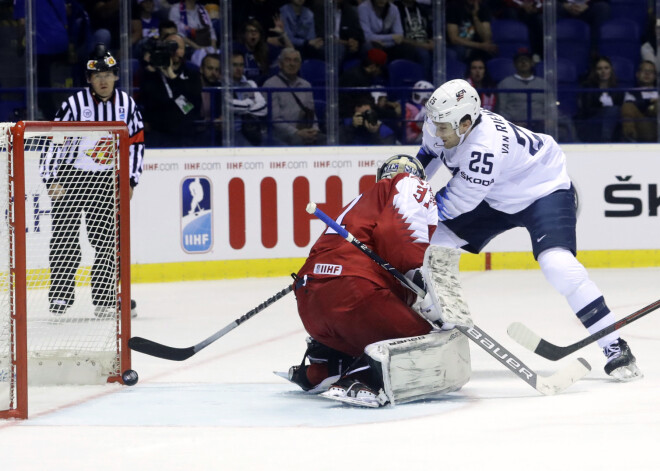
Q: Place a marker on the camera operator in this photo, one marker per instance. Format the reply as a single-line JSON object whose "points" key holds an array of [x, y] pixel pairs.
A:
{"points": [[364, 127], [171, 94]]}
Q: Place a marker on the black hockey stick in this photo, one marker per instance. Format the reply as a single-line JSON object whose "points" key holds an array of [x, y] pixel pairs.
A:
{"points": [[544, 384], [155, 349], [528, 339]]}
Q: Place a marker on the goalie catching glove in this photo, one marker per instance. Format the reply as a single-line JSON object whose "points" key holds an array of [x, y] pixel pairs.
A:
{"points": [[444, 300]]}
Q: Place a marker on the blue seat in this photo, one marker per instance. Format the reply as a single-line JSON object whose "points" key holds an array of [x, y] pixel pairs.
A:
{"points": [[567, 87], [319, 109], [510, 36], [620, 37], [573, 42], [451, 54], [349, 64], [500, 68], [635, 10], [11, 111], [403, 73], [625, 70], [455, 69], [313, 70]]}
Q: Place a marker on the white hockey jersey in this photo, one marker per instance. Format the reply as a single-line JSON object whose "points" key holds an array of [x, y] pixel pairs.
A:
{"points": [[505, 165]]}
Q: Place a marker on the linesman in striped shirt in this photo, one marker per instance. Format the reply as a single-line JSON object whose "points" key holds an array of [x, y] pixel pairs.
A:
{"points": [[79, 181]]}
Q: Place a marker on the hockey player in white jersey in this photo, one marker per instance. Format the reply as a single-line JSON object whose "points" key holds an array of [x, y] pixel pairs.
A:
{"points": [[505, 176]]}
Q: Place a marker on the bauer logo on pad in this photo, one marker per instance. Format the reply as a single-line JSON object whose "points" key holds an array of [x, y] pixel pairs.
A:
{"points": [[196, 215]]}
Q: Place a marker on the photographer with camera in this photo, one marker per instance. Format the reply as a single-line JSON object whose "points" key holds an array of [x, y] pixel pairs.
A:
{"points": [[171, 94], [364, 128]]}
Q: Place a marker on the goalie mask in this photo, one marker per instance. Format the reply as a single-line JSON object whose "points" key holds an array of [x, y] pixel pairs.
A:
{"points": [[400, 163], [100, 60], [452, 102]]}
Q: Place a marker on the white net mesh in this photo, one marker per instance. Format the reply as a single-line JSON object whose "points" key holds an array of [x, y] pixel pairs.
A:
{"points": [[72, 270]]}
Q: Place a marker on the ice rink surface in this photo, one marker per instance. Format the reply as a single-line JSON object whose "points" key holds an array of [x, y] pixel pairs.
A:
{"points": [[224, 409]]}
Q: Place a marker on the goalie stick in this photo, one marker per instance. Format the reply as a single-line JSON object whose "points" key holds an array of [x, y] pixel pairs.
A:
{"points": [[546, 385], [531, 341], [155, 349]]}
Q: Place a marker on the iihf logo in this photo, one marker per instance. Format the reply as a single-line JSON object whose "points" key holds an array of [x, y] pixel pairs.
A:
{"points": [[460, 95], [196, 215]]}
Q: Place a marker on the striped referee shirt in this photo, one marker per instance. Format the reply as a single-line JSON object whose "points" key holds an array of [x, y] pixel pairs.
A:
{"points": [[83, 106]]}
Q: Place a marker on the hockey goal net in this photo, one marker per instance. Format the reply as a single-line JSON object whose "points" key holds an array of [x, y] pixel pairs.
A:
{"points": [[64, 200]]}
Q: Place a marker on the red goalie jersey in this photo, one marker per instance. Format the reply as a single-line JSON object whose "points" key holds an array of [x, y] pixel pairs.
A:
{"points": [[349, 301]]}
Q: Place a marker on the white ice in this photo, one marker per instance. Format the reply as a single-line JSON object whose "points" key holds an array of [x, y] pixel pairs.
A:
{"points": [[224, 409]]}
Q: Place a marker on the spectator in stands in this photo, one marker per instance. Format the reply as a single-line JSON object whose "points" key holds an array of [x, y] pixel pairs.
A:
{"points": [[513, 105], [260, 56], [418, 31], [167, 28], [416, 111], [388, 111], [478, 77], [365, 75], [348, 31], [249, 106], [53, 46], [267, 13], [529, 12], [103, 15], [293, 114], [211, 112], [298, 22], [594, 12], [194, 25], [381, 23], [364, 128], [468, 29], [639, 111], [649, 48], [600, 112], [144, 25], [171, 97]]}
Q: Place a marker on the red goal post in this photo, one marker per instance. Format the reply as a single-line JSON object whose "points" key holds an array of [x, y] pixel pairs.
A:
{"points": [[61, 282]]}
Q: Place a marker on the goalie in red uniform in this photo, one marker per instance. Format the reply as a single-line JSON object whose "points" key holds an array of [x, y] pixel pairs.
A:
{"points": [[346, 301]]}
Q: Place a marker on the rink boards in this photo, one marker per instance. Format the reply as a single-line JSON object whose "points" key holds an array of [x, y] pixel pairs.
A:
{"points": [[225, 213]]}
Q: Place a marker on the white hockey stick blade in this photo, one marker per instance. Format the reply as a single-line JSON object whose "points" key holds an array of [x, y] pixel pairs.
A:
{"points": [[556, 383], [524, 336]]}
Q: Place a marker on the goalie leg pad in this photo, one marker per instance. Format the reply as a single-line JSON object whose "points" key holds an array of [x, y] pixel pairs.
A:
{"points": [[415, 368], [440, 272]]}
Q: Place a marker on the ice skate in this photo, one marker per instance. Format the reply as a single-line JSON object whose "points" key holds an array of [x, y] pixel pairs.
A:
{"points": [[353, 392], [621, 362]]}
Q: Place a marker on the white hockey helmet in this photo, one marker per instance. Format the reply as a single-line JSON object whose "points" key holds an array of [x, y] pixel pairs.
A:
{"points": [[421, 91], [452, 101], [400, 163]]}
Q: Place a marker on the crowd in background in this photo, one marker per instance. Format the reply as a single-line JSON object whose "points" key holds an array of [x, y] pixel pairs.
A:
{"points": [[606, 69]]}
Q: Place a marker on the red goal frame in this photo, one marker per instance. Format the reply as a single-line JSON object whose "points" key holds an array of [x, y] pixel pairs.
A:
{"points": [[17, 273]]}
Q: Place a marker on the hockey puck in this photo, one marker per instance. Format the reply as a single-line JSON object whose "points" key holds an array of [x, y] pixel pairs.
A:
{"points": [[130, 377]]}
